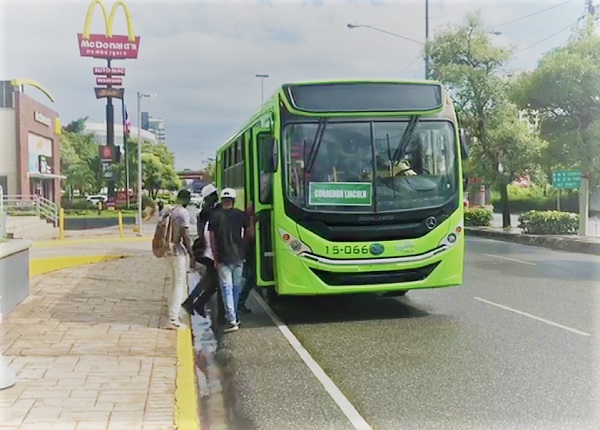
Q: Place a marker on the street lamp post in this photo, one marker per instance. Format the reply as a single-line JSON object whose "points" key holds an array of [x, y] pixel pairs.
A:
{"points": [[139, 154], [262, 86]]}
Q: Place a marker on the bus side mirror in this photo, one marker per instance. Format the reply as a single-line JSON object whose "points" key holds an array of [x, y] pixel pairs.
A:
{"points": [[464, 149]]}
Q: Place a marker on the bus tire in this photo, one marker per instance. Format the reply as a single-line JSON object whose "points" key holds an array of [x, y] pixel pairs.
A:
{"points": [[270, 295]]}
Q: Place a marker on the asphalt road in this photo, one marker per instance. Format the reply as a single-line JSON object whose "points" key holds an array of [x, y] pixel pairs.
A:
{"points": [[514, 348]]}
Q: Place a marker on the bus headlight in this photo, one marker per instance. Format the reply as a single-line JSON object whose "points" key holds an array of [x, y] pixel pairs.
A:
{"points": [[295, 245], [452, 237]]}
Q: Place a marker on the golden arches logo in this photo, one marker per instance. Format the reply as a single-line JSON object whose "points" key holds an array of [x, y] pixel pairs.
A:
{"points": [[108, 19], [108, 45]]}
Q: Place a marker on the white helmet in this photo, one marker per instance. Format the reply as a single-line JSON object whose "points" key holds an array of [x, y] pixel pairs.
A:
{"points": [[208, 190], [228, 193]]}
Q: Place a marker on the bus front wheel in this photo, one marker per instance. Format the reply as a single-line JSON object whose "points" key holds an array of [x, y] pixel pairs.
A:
{"points": [[270, 295]]}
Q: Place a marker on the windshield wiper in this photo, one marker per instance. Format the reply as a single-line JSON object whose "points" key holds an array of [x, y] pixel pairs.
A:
{"points": [[391, 167], [314, 149], [405, 139]]}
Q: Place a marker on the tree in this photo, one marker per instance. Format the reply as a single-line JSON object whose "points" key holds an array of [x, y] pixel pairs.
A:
{"points": [[81, 163], [502, 147], [79, 158], [209, 171], [564, 91], [158, 169]]}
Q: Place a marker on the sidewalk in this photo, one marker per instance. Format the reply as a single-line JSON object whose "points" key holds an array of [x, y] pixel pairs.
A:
{"points": [[88, 345], [572, 243]]}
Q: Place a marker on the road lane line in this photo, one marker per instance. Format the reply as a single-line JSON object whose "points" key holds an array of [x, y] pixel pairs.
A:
{"points": [[564, 327], [357, 421], [510, 259]]}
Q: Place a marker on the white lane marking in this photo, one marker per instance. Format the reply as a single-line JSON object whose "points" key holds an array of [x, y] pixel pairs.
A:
{"points": [[510, 259], [564, 327], [357, 421]]}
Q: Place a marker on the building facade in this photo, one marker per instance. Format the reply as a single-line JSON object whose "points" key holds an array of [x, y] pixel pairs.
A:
{"points": [[155, 125], [98, 130], [30, 143]]}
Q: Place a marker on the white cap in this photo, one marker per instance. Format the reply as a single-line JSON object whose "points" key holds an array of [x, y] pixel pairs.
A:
{"points": [[208, 190], [228, 193]]}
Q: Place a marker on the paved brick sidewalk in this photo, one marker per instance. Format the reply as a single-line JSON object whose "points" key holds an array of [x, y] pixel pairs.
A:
{"points": [[89, 350]]}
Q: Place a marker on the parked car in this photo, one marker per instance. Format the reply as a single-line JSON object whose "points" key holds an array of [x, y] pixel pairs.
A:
{"points": [[97, 198], [196, 200]]}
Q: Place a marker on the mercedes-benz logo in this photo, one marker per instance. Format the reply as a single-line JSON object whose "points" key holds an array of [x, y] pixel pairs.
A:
{"points": [[377, 249], [430, 223]]}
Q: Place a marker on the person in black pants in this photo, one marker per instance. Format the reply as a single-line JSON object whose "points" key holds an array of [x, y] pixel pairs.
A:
{"points": [[209, 283], [249, 269]]}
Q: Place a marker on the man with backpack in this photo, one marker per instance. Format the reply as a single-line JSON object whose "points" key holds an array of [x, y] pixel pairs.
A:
{"points": [[172, 241]]}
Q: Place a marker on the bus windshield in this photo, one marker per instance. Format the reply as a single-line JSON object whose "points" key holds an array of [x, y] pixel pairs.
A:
{"points": [[376, 166]]}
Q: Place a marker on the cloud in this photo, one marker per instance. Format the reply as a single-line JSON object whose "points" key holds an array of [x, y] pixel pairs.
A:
{"points": [[201, 57]]}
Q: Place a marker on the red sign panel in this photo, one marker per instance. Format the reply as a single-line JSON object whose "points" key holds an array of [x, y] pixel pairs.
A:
{"points": [[102, 46], [106, 153], [109, 81], [109, 71]]}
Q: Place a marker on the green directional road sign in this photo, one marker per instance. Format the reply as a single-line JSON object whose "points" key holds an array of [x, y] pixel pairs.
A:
{"points": [[566, 179]]}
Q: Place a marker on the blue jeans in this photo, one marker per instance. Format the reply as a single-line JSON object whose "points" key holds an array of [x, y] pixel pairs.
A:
{"points": [[230, 280], [248, 283]]}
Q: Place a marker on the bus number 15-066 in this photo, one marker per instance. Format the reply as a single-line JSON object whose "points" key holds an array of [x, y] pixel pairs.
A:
{"points": [[348, 249]]}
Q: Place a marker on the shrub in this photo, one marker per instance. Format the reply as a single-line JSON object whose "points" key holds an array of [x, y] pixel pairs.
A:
{"points": [[536, 198], [148, 202], [478, 217], [80, 204], [549, 222]]}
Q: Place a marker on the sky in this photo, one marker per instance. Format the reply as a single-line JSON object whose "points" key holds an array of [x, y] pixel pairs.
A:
{"points": [[201, 57]]}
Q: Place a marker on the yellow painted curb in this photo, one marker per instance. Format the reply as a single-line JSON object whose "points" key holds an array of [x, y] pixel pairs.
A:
{"points": [[40, 266], [186, 400], [67, 242]]}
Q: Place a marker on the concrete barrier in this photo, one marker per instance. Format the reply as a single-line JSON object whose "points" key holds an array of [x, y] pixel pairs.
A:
{"points": [[8, 378], [559, 243], [14, 287], [14, 274]]}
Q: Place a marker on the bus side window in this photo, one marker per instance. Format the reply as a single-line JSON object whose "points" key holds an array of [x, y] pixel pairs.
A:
{"points": [[264, 159]]}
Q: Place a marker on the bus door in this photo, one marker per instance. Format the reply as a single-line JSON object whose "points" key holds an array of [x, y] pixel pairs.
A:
{"points": [[262, 140]]}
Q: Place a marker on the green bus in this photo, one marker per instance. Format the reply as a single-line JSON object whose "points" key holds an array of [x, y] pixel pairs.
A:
{"points": [[356, 187]]}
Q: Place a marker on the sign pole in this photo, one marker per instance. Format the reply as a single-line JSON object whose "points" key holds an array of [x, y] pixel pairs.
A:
{"points": [[110, 139], [584, 204], [139, 172], [126, 155], [558, 200]]}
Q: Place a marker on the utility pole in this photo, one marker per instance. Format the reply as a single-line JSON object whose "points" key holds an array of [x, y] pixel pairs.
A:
{"points": [[426, 38], [584, 191]]}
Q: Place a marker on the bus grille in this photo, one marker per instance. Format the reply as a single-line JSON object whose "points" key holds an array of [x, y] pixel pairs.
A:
{"points": [[375, 278]]}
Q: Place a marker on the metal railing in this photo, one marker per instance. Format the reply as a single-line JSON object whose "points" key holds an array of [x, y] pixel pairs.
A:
{"points": [[30, 205]]}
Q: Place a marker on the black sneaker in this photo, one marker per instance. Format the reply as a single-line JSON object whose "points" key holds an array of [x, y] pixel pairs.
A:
{"points": [[188, 307], [200, 310], [231, 327], [243, 309]]}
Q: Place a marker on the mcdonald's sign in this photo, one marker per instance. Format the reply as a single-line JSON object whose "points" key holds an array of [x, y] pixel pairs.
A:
{"points": [[108, 45]]}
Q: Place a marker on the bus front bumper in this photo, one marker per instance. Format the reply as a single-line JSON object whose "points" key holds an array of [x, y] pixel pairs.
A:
{"points": [[309, 274]]}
